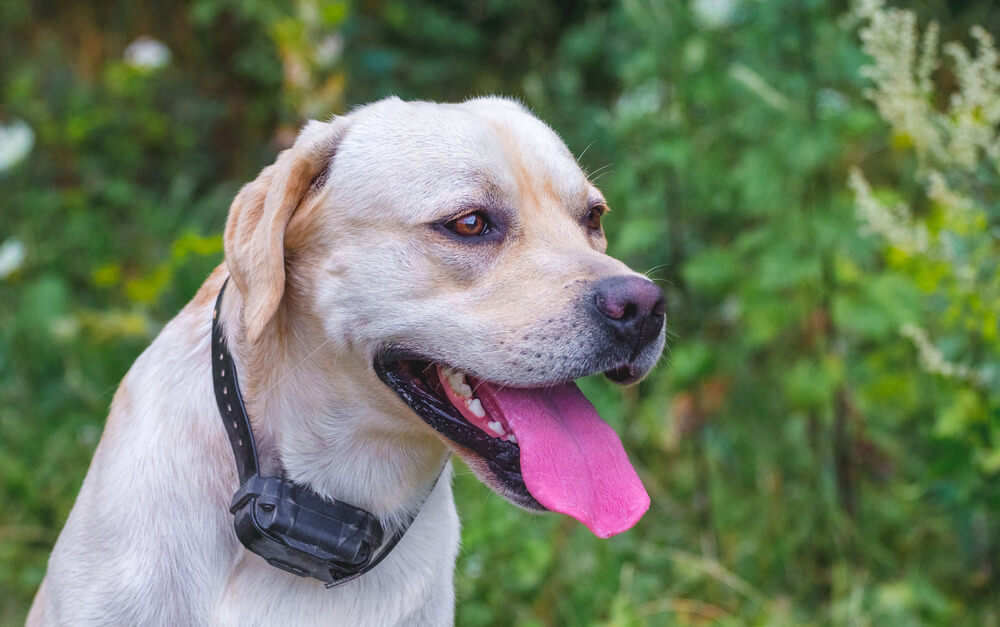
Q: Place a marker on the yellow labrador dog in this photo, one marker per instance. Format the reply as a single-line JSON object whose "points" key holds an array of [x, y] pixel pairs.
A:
{"points": [[406, 282]]}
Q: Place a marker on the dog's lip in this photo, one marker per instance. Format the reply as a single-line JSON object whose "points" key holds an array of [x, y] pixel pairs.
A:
{"points": [[624, 372], [395, 368], [418, 388], [623, 375]]}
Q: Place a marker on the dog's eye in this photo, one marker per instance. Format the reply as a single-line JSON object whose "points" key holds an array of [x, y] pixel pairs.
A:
{"points": [[470, 225], [594, 217]]}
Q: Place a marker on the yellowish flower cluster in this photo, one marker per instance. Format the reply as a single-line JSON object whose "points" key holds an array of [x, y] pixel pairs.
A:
{"points": [[933, 360], [894, 223], [903, 62], [974, 110], [902, 74]]}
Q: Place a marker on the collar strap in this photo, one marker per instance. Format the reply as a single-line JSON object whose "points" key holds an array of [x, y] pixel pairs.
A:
{"points": [[230, 401], [289, 525]]}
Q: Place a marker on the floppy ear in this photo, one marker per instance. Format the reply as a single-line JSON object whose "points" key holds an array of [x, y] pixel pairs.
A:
{"points": [[255, 231]]}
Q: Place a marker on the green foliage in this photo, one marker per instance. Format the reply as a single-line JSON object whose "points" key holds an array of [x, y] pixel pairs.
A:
{"points": [[118, 209], [821, 442]]}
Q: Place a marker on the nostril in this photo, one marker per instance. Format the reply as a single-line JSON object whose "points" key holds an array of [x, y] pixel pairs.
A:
{"points": [[660, 308], [629, 312], [610, 306]]}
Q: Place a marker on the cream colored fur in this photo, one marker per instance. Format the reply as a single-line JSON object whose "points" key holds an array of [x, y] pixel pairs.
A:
{"points": [[334, 256]]}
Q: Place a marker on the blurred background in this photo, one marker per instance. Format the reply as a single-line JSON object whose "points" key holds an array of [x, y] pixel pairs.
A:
{"points": [[813, 183]]}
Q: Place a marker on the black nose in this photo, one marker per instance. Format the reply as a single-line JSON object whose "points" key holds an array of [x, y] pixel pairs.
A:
{"points": [[633, 306]]}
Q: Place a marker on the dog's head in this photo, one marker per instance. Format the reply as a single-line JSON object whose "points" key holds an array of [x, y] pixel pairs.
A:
{"points": [[458, 249]]}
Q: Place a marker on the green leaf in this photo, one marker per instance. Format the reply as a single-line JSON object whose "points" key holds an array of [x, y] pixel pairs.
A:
{"points": [[713, 271]]}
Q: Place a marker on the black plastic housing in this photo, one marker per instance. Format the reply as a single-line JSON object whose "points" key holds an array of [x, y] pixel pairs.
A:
{"points": [[298, 531]]}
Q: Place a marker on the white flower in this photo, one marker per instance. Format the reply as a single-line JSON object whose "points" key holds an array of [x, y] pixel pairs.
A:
{"points": [[16, 141], [646, 99], [712, 14], [933, 360], [831, 101], [12, 255], [903, 63], [329, 49], [894, 223], [147, 53]]}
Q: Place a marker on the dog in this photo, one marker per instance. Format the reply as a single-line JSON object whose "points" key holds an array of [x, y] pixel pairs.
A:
{"points": [[408, 281]]}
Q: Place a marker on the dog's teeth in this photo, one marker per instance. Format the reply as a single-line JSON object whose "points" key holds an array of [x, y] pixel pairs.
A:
{"points": [[512, 438], [456, 379], [476, 407], [496, 427]]}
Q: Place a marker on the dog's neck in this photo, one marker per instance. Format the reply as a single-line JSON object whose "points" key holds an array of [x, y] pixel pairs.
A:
{"points": [[322, 419]]}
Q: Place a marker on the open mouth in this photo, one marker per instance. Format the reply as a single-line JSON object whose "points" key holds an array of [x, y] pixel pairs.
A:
{"points": [[541, 448]]}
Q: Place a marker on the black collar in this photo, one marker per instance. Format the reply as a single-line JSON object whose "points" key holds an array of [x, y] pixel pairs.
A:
{"points": [[289, 525]]}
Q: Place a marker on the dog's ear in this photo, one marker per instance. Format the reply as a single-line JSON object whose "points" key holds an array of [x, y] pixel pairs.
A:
{"points": [[255, 231]]}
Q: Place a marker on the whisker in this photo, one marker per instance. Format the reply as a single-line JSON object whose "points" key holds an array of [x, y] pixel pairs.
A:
{"points": [[655, 268], [595, 178], [296, 366], [603, 167]]}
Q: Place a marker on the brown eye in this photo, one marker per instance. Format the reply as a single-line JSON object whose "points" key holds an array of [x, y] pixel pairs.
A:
{"points": [[470, 225], [594, 217]]}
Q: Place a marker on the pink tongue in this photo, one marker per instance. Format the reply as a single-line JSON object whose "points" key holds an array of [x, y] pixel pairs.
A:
{"points": [[571, 460]]}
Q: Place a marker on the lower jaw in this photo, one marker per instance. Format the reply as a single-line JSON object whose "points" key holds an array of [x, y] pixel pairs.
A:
{"points": [[508, 484]]}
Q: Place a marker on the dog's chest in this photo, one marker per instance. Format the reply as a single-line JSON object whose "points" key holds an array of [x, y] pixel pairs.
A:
{"points": [[412, 586]]}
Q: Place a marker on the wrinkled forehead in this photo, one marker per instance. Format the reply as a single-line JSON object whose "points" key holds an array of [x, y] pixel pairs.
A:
{"points": [[426, 157]]}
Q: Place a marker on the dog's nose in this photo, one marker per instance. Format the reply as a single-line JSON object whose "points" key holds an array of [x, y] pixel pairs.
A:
{"points": [[633, 306]]}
